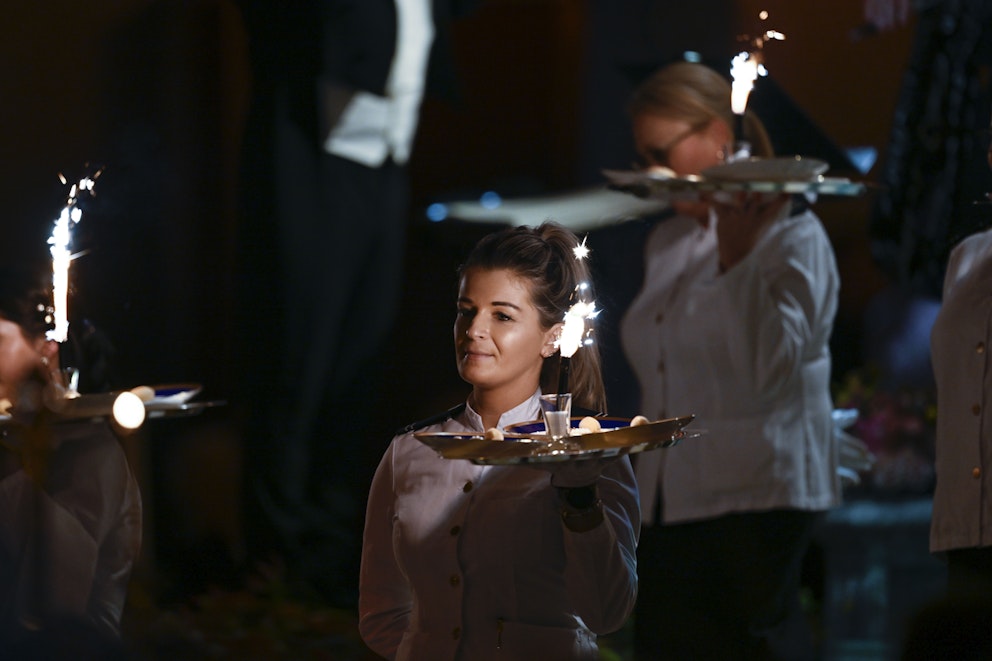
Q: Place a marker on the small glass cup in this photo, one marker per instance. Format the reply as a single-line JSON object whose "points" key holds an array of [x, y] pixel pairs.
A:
{"points": [[70, 380], [557, 410]]}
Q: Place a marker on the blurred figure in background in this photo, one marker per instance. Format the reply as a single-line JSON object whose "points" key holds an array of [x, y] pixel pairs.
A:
{"points": [[70, 508], [961, 343], [732, 324], [934, 170], [956, 626], [337, 87]]}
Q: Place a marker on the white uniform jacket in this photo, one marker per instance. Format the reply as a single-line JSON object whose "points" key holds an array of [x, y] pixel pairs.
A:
{"points": [[462, 561], [746, 351]]}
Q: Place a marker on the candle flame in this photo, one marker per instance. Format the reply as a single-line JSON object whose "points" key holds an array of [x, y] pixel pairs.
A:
{"points": [[61, 242]]}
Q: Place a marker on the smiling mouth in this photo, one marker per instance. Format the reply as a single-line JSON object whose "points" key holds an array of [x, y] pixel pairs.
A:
{"points": [[468, 354]]}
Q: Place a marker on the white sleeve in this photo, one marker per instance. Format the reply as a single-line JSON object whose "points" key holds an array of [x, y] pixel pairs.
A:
{"points": [[601, 564], [384, 602]]}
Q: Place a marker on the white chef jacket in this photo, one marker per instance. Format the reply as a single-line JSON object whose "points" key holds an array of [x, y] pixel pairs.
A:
{"points": [[461, 561], [747, 352], [959, 346]]}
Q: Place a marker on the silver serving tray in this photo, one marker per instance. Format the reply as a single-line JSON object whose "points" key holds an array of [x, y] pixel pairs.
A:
{"points": [[179, 409], [526, 442], [643, 184]]}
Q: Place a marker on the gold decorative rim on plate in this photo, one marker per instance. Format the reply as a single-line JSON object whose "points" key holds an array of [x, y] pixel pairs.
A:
{"points": [[526, 443]]}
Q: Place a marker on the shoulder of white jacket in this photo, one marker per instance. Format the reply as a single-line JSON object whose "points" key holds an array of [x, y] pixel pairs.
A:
{"points": [[432, 420]]}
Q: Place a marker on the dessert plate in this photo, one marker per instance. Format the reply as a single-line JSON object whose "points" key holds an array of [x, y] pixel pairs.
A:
{"points": [[173, 393], [795, 168]]}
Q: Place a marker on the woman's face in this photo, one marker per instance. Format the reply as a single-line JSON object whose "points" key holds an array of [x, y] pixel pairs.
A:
{"points": [[498, 335], [676, 144], [19, 358]]}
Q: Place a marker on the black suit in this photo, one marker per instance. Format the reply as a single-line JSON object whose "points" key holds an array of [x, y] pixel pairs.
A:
{"points": [[323, 248]]}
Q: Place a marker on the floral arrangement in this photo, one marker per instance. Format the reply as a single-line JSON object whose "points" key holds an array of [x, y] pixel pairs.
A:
{"points": [[897, 425]]}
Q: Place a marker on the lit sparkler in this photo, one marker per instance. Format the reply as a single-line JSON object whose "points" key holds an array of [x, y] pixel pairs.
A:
{"points": [[60, 242], [745, 68], [581, 251], [574, 333]]}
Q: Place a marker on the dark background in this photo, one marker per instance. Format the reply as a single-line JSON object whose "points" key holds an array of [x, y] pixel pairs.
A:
{"points": [[154, 92]]}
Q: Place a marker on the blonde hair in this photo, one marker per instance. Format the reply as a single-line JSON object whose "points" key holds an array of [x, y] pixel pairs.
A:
{"points": [[543, 256], [696, 94]]}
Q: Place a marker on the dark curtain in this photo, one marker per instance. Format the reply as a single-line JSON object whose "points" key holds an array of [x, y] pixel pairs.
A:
{"points": [[936, 167]]}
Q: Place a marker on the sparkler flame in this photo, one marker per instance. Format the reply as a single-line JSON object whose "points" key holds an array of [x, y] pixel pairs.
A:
{"points": [[581, 251], [60, 242], [574, 333], [747, 65], [744, 69]]}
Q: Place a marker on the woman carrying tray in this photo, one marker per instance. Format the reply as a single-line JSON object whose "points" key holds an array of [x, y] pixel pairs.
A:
{"points": [[70, 507], [732, 324], [481, 562]]}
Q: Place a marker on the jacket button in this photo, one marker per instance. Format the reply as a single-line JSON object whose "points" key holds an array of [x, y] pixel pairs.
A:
{"points": [[976, 472], [455, 530], [467, 487], [980, 347], [454, 580], [976, 408], [456, 633]]}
